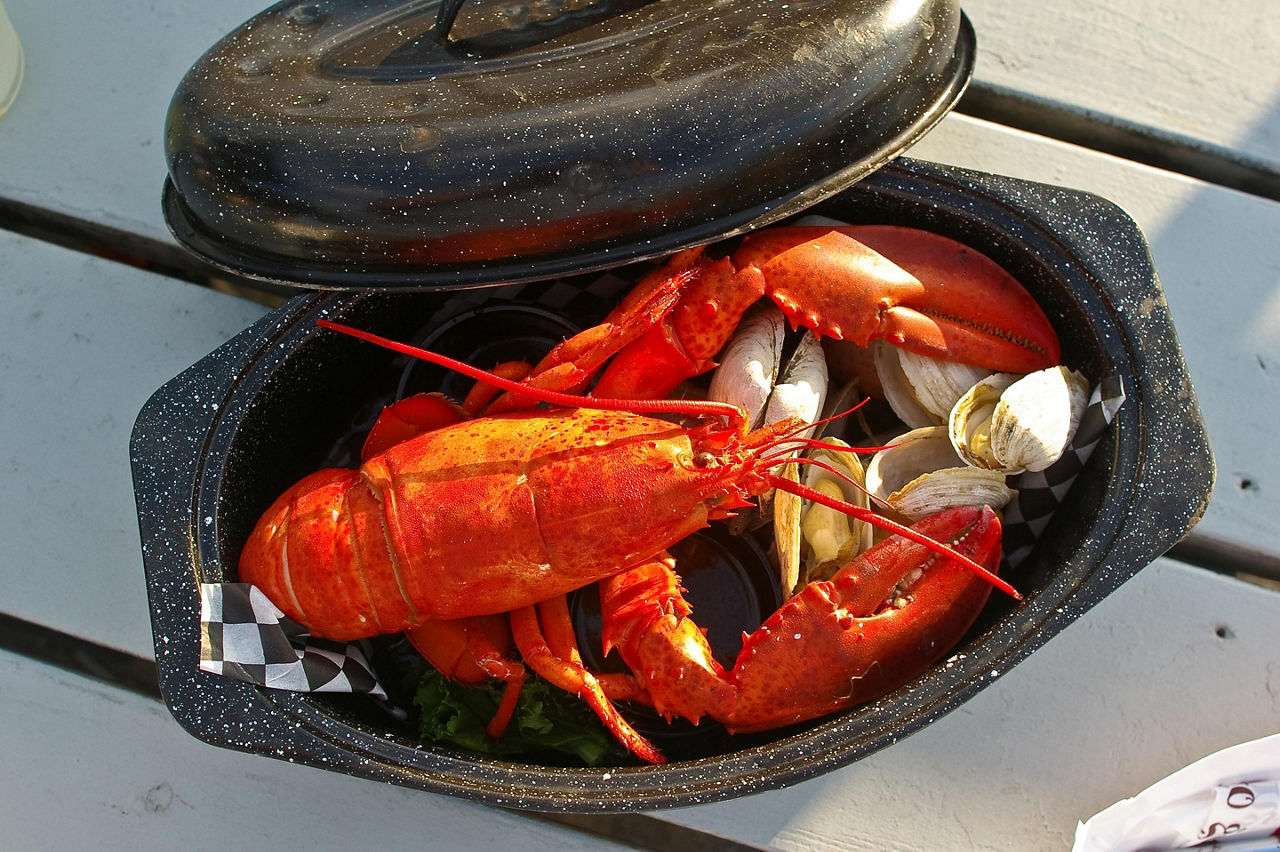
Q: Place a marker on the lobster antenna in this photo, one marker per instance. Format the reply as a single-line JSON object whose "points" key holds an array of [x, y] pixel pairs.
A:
{"points": [[824, 421], [839, 474], [778, 451], [697, 408]]}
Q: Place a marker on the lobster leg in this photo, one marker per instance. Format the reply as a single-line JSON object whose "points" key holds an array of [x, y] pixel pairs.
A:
{"points": [[409, 418], [665, 331], [557, 629], [571, 364], [482, 393], [647, 621], [472, 650], [830, 647], [574, 678]]}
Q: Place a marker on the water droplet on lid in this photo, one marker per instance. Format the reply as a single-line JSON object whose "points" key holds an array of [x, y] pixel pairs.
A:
{"points": [[408, 103], [308, 100], [546, 10], [514, 16]]}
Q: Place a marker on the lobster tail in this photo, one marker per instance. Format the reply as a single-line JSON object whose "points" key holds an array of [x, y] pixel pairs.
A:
{"points": [[320, 554]]}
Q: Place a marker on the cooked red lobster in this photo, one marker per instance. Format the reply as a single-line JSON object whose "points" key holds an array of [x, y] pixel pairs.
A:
{"points": [[451, 518]]}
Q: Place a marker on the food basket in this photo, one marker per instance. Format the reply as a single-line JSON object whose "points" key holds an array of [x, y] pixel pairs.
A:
{"points": [[219, 442]]}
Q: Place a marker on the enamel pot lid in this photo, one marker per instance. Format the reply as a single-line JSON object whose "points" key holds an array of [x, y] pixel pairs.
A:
{"points": [[424, 144]]}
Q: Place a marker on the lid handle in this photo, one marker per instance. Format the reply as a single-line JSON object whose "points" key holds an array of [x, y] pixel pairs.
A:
{"points": [[445, 17], [591, 13]]}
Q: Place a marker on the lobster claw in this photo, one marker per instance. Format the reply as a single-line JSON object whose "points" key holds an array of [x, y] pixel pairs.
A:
{"points": [[936, 297], [828, 648], [913, 288]]}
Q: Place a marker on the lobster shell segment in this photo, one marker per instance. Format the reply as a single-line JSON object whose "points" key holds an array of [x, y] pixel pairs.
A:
{"points": [[316, 553]]}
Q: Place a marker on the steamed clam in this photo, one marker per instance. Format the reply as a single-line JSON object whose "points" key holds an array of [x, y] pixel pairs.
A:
{"points": [[828, 538], [752, 376], [919, 473], [1010, 423], [749, 364]]}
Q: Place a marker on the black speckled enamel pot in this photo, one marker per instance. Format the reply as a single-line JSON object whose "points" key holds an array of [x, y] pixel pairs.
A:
{"points": [[214, 446]]}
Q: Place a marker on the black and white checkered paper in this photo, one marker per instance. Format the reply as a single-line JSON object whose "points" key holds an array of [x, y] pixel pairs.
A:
{"points": [[1040, 493], [245, 637]]}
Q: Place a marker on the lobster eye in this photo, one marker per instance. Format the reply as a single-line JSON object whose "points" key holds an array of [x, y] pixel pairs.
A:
{"points": [[704, 460]]}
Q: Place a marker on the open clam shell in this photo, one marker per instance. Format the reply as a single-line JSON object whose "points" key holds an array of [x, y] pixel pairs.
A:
{"points": [[749, 364], [800, 392], [969, 426], [752, 376], [802, 384], [921, 390], [1013, 424], [920, 473]]}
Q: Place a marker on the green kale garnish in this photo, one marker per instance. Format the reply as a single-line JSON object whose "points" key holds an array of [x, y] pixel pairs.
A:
{"points": [[546, 719]]}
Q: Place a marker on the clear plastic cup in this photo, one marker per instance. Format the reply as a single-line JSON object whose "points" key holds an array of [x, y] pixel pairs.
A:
{"points": [[11, 62]]}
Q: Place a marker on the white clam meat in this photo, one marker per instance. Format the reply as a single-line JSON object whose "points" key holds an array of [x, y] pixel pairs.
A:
{"points": [[1014, 424], [919, 473], [830, 537], [970, 423]]}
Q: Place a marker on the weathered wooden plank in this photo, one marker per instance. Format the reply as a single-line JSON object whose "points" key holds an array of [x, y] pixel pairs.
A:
{"points": [[103, 768], [1205, 72], [85, 136], [86, 342], [1176, 664]]}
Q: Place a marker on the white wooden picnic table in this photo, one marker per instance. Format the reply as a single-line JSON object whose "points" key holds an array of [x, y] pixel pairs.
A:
{"points": [[1179, 662]]}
